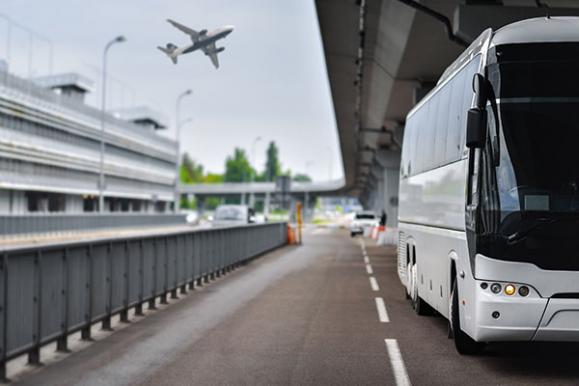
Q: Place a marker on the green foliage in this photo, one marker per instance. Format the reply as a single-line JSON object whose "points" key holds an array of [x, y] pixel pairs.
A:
{"points": [[188, 204], [190, 172], [272, 164], [210, 203], [213, 178], [300, 177], [237, 167]]}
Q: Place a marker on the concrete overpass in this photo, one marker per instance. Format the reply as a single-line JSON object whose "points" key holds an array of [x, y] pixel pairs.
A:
{"points": [[382, 56], [237, 188], [252, 191]]}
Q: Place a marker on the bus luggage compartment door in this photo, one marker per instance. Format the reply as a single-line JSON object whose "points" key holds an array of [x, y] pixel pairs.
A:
{"points": [[560, 321]]}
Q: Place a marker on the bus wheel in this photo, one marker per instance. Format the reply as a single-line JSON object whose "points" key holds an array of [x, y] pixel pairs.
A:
{"points": [[419, 305], [464, 344]]}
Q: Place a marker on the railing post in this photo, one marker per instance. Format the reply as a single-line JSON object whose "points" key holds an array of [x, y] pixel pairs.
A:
{"points": [[126, 285], [152, 301], [191, 240], [139, 306], [62, 341], [34, 353], [106, 324], [174, 259], [183, 256], [85, 332], [4, 315], [165, 274]]}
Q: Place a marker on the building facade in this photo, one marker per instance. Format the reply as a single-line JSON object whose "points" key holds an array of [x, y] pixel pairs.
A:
{"points": [[50, 151]]}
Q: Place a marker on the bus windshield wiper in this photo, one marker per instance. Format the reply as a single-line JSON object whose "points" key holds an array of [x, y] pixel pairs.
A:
{"points": [[521, 234]]}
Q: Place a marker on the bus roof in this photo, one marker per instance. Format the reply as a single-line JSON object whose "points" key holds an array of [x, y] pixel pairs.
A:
{"points": [[539, 30], [535, 30]]}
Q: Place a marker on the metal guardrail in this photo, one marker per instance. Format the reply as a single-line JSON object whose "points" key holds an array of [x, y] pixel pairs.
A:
{"points": [[50, 292], [11, 225]]}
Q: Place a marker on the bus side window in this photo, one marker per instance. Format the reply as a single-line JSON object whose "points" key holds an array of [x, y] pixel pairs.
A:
{"points": [[455, 122], [468, 96], [442, 120], [406, 149], [421, 130], [430, 133]]}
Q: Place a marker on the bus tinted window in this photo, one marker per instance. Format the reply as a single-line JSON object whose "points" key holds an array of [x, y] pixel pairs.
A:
{"points": [[443, 98], [468, 96], [406, 148], [435, 133], [421, 130], [429, 147], [454, 144]]}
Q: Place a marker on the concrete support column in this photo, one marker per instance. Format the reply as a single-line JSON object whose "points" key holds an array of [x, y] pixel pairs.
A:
{"points": [[390, 163]]}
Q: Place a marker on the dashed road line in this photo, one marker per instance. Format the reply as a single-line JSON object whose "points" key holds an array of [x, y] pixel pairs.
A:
{"points": [[369, 269], [366, 260], [374, 284], [381, 307], [397, 363]]}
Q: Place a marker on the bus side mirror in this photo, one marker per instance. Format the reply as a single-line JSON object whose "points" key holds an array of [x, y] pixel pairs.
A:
{"points": [[476, 128]]}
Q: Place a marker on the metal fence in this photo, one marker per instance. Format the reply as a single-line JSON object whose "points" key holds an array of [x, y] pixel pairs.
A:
{"points": [[50, 292], [11, 225]]}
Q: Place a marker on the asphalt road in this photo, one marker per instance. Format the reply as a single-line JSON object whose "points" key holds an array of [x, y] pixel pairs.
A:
{"points": [[303, 315]]}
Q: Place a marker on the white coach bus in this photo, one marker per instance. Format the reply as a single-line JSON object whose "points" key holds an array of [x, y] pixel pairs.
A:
{"points": [[489, 189]]}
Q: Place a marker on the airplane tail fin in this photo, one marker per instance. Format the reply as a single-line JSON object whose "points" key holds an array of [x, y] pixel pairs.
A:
{"points": [[170, 51]]}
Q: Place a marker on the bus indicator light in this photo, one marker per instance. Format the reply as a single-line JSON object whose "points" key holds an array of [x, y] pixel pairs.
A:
{"points": [[496, 288], [510, 289], [524, 290]]}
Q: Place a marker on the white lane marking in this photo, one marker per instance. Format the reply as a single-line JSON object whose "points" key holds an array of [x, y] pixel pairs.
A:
{"points": [[366, 260], [369, 269], [374, 284], [381, 307], [397, 363]]}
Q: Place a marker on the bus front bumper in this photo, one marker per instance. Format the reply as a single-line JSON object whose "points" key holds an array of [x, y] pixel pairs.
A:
{"points": [[560, 321], [501, 318], [538, 316]]}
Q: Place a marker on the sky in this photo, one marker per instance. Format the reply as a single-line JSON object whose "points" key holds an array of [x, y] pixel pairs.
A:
{"points": [[272, 81]]}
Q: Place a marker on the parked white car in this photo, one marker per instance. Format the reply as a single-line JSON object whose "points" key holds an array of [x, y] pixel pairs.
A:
{"points": [[363, 220], [230, 215]]}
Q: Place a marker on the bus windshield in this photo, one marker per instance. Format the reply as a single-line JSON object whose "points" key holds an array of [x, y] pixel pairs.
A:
{"points": [[537, 91]]}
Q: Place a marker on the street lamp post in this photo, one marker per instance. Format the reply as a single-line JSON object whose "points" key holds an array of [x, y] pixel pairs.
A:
{"points": [[178, 125], [118, 39], [252, 179]]}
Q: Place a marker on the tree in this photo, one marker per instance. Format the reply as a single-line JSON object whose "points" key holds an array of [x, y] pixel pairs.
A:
{"points": [[190, 172], [272, 164], [302, 178], [213, 178], [237, 167]]}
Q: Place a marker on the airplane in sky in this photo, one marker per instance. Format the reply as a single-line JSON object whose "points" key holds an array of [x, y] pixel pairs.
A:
{"points": [[202, 40]]}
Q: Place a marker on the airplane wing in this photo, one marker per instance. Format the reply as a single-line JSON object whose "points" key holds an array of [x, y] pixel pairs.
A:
{"points": [[211, 51], [189, 31]]}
